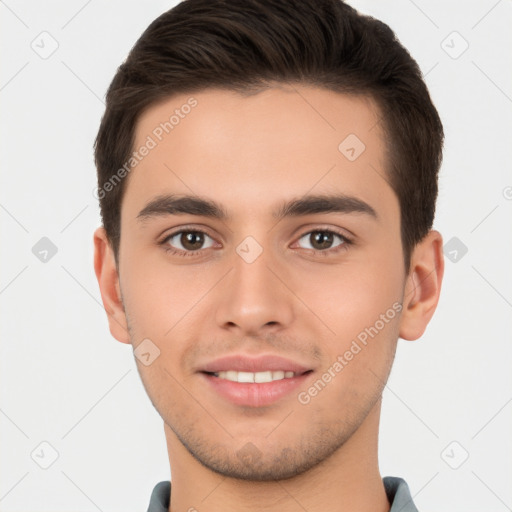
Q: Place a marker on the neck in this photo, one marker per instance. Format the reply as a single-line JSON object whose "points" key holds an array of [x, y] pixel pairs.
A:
{"points": [[348, 480]]}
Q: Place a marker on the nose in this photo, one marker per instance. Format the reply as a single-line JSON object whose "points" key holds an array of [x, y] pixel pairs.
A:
{"points": [[255, 299]]}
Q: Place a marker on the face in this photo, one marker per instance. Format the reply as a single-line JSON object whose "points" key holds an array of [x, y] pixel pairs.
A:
{"points": [[274, 251]]}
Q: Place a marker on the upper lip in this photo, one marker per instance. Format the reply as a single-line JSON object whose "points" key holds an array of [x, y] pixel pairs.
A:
{"points": [[245, 363]]}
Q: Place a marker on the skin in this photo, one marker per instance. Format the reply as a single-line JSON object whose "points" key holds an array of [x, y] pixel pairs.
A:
{"points": [[250, 154]]}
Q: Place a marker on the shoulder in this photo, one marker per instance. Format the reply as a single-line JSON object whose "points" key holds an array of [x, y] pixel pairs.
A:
{"points": [[160, 497], [399, 495]]}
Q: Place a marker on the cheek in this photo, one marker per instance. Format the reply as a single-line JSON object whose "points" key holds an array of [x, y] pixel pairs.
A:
{"points": [[351, 297], [159, 296]]}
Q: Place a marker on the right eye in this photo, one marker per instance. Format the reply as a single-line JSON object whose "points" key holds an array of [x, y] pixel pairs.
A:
{"points": [[187, 242]]}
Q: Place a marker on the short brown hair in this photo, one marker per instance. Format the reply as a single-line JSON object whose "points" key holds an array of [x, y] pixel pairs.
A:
{"points": [[245, 45]]}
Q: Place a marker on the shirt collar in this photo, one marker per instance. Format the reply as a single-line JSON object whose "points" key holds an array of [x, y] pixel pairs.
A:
{"points": [[397, 491]]}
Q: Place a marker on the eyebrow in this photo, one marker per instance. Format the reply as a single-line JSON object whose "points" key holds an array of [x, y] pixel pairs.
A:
{"points": [[171, 204]]}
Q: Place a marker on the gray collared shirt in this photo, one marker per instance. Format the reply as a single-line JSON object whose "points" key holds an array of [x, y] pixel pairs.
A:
{"points": [[396, 488]]}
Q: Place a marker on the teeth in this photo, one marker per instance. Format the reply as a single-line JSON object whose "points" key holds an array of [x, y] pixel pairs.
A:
{"points": [[262, 377], [231, 375], [245, 377], [258, 377]]}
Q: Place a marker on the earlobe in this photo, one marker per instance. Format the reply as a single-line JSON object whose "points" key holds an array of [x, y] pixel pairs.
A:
{"points": [[423, 286], [108, 281]]}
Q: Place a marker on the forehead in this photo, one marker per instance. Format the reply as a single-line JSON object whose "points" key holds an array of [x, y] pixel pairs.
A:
{"points": [[250, 150]]}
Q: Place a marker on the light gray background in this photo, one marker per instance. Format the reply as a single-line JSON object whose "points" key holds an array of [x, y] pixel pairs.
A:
{"points": [[67, 382]]}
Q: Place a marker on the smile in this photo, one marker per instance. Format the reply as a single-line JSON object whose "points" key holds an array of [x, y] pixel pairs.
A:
{"points": [[257, 377]]}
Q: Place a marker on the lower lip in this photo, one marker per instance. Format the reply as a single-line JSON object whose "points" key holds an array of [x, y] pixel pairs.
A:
{"points": [[252, 394]]}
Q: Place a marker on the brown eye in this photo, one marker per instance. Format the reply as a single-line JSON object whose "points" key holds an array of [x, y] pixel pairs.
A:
{"points": [[188, 240], [192, 241], [321, 240]]}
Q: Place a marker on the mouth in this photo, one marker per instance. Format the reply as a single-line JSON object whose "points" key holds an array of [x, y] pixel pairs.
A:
{"points": [[256, 377], [232, 381]]}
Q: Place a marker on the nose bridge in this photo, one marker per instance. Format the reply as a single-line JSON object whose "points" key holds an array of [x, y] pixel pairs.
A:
{"points": [[253, 297], [251, 270]]}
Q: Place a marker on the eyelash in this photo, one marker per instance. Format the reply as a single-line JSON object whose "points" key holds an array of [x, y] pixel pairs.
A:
{"points": [[346, 242]]}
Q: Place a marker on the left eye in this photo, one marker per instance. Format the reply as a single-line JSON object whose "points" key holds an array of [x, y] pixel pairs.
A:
{"points": [[189, 240], [321, 240]]}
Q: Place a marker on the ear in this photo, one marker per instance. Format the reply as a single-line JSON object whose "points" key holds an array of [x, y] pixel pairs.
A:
{"points": [[423, 286], [108, 280]]}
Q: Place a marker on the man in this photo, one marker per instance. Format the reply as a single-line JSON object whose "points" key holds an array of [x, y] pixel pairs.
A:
{"points": [[267, 176]]}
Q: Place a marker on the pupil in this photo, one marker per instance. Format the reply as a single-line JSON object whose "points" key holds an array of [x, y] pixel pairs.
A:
{"points": [[192, 240], [322, 239]]}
